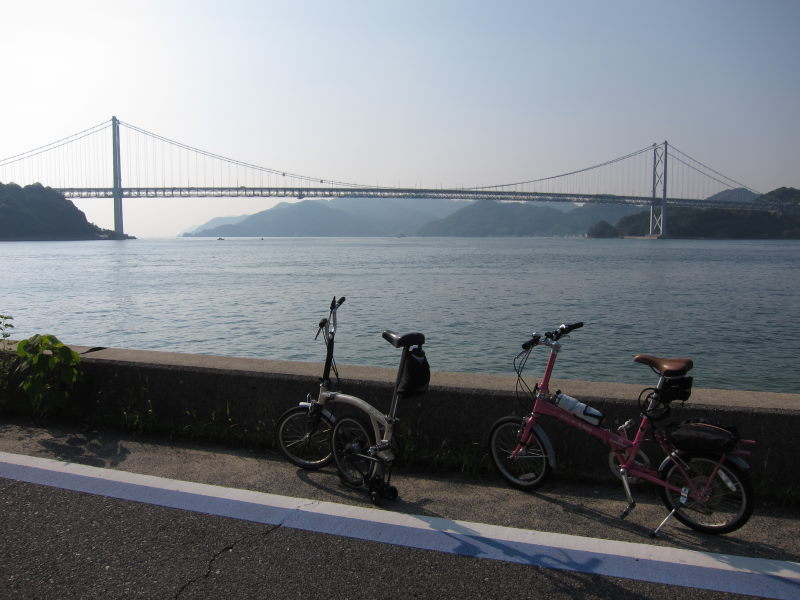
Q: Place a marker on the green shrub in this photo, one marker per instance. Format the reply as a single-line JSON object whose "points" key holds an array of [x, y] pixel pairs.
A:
{"points": [[48, 371]]}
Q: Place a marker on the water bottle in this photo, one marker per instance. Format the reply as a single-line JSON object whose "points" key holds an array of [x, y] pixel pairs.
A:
{"points": [[578, 408]]}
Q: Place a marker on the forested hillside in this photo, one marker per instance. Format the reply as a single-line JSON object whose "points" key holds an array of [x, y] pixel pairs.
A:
{"points": [[715, 223], [492, 218], [35, 212]]}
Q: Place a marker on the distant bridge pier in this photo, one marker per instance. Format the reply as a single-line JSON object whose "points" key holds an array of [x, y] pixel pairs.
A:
{"points": [[658, 208], [117, 184]]}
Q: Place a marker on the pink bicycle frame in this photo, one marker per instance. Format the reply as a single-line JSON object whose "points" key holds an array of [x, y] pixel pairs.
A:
{"points": [[625, 449]]}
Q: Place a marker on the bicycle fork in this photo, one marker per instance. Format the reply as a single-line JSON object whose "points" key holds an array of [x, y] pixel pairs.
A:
{"points": [[524, 437]]}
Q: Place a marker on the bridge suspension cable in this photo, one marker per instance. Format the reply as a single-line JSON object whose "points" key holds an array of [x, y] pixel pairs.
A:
{"points": [[717, 176], [239, 163], [86, 165], [57, 144], [83, 160], [562, 175]]}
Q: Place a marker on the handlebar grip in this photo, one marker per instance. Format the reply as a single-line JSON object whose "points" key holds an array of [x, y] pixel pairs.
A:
{"points": [[341, 301], [531, 342], [573, 327]]}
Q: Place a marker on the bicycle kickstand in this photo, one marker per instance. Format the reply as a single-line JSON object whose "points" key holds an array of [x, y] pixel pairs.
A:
{"points": [[627, 487], [654, 533], [684, 498]]}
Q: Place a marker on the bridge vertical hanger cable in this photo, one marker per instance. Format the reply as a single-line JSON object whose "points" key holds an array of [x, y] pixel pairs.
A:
{"points": [[719, 177]]}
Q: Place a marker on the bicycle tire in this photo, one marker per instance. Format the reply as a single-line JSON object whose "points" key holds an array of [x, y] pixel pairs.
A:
{"points": [[350, 441], [304, 443], [730, 501], [531, 467]]}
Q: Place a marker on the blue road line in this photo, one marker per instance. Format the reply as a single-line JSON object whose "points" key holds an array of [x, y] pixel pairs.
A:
{"points": [[643, 562]]}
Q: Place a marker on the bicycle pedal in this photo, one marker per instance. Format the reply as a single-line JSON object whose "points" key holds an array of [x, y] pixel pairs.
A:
{"points": [[627, 510]]}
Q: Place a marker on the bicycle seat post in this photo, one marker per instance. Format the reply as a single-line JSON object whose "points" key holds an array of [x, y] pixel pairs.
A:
{"points": [[393, 405]]}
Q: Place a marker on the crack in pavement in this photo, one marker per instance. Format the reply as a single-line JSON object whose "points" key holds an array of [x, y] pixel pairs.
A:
{"points": [[216, 555], [230, 547]]}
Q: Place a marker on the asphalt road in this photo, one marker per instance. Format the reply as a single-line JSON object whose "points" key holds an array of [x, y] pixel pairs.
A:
{"points": [[61, 543]]}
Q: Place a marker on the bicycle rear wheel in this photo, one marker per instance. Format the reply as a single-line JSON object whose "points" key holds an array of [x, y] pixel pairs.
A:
{"points": [[350, 443], [729, 501], [530, 467], [305, 440]]}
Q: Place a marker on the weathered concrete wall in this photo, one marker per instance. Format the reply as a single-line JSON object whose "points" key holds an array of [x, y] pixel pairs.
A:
{"points": [[239, 401]]}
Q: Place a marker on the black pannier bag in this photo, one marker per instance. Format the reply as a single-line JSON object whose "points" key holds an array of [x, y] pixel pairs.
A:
{"points": [[415, 376], [699, 435], [676, 388]]}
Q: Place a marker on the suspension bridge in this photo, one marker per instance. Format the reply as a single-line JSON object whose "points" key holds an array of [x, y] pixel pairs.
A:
{"points": [[140, 164]]}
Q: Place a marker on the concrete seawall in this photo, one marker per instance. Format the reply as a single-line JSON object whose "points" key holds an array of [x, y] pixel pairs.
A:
{"points": [[238, 400]]}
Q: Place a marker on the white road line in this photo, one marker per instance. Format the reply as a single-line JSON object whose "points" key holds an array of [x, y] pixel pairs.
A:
{"points": [[703, 570]]}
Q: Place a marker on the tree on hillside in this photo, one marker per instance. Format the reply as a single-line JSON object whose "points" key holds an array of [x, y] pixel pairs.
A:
{"points": [[603, 229]]}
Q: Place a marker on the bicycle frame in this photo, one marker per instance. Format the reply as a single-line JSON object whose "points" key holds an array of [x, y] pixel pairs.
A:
{"points": [[382, 425], [625, 449]]}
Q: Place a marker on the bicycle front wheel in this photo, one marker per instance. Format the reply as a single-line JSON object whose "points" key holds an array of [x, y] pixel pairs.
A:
{"points": [[530, 467], [305, 440], [350, 443], [727, 503]]}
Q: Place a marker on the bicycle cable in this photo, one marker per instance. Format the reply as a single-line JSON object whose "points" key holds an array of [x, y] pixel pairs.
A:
{"points": [[523, 391]]}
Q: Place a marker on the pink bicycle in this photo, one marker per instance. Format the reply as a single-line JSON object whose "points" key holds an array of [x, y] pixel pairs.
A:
{"points": [[703, 478]]}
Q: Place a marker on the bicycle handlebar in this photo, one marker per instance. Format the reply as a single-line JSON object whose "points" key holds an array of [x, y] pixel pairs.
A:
{"points": [[553, 336], [328, 324], [532, 342], [565, 329]]}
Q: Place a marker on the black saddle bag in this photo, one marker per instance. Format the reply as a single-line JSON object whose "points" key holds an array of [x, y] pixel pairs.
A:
{"points": [[699, 435], [415, 376]]}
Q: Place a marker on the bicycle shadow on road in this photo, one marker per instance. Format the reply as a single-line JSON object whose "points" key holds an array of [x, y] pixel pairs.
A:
{"points": [[327, 481], [648, 514]]}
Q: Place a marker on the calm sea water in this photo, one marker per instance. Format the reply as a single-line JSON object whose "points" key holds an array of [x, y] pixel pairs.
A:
{"points": [[732, 306]]}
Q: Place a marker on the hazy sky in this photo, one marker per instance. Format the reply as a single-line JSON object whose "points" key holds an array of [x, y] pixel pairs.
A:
{"points": [[430, 93]]}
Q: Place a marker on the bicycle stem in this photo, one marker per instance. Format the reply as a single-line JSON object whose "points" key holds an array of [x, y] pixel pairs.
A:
{"points": [[555, 347], [328, 329]]}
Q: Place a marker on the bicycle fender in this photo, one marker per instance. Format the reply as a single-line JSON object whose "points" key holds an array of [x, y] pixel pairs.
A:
{"points": [[548, 445], [737, 460]]}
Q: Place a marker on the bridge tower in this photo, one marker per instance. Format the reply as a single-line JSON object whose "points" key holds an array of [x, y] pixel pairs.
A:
{"points": [[658, 209], [117, 184]]}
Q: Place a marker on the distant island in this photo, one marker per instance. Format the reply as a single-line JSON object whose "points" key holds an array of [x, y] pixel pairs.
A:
{"points": [[38, 213], [35, 212], [370, 217], [338, 217]]}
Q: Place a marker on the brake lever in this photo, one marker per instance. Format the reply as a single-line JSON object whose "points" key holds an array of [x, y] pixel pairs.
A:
{"points": [[322, 324]]}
